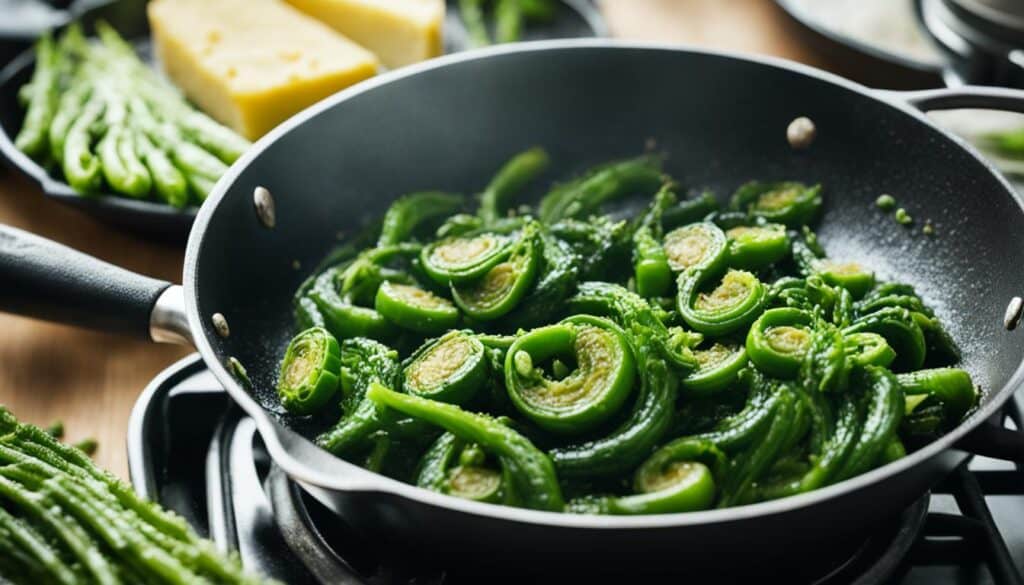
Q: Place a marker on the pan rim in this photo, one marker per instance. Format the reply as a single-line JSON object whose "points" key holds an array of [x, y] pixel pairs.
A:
{"points": [[364, 481]]}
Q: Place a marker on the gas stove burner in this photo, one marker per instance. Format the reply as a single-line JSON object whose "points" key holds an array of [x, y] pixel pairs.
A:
{"points": [[984, 39], [246, 504]]}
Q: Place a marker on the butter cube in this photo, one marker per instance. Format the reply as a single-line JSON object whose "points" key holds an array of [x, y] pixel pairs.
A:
{"points": [[251, 64], [399, 32]]}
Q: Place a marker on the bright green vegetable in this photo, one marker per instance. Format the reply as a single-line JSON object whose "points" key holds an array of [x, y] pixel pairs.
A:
{"points": [[778, 341], [791, 204], [88, 446], [902, 217], [168, 182], [638, 319], [679, 477], [82, 167], [63, 520], [754, 247], [732, 304], [689, 211], [472, 12], [745, 468], [849, 275], [340, 292], [869, 349], [69, 109], [309, 371], [42, 99], [583, 394], [412, 210], [644, 426], [584, 195], [501, 288], [900, 331], [951, 387], [825, 366], [454, 468], [701, 246], [718, 369], [532, 471], [413, 308], [885, 406], [363, 361], [558, 274], [510, 180], [464, 259], [885, 202], [508, 21], [100, 112], [451, 369], [651, 269]]}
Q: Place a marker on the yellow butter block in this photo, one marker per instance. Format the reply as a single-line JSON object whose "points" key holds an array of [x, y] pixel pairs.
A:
{"points": [[399, 32], [253, 63]]}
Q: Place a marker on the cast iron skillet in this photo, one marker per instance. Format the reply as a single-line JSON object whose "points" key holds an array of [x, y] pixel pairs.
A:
{"points": [[448, 124]]}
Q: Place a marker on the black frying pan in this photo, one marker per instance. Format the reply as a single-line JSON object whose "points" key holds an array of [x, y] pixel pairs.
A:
{"points": [[449, 124]]}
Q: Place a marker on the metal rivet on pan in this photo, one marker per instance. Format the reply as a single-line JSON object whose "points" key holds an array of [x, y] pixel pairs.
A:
{"points": [[264, 203], [1013, 313], [801, 132], [220, 324]]}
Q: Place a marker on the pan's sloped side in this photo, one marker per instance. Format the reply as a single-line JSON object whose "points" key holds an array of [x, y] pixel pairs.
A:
{"points": [[721, 120]]}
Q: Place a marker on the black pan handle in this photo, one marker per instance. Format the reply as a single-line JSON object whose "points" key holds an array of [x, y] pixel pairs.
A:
{"points": [[46, 280], [992, 440], [967, 96]]}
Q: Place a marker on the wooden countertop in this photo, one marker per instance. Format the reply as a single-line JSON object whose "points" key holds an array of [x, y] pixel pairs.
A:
{"points": [[90, 380]]}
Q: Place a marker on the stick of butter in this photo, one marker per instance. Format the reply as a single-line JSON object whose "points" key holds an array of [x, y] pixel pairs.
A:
{"points": [[253, 63], [399, 32]]}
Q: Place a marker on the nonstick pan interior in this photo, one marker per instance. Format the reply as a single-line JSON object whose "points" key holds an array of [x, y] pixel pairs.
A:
{"points": [[719, 120]]}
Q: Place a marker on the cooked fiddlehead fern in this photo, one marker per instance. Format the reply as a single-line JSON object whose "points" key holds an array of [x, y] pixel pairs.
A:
{"points": [[900, 331], [451, 369], [734, 303], [452, 467], [412, 210], [696, 246], [757, 246], [651, 270], [679, 477], [778, 341], [591, 374], [869, 349], [340, 292], [309, 371], [580, 197], [791, 204], [501, 288], [411, 307], [651, 413], [461, 259], [531, 470], [363, 361], [952, 388], [718, 369], [511, 179]]}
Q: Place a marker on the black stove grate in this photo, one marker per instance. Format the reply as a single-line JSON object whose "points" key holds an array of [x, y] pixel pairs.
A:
{"points": [[246, 504]]}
